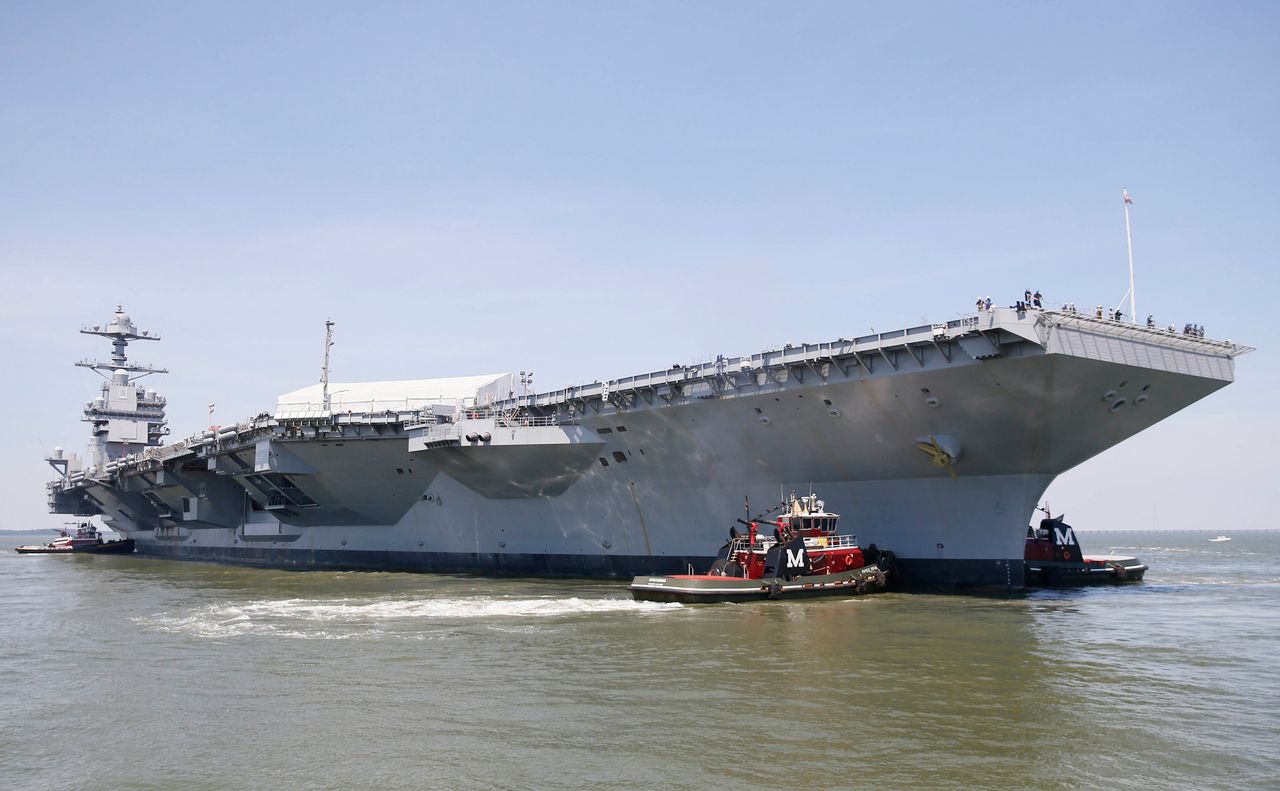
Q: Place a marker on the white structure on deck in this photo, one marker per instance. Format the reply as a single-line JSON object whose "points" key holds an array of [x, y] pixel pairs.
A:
{"points": [[406, 395]]}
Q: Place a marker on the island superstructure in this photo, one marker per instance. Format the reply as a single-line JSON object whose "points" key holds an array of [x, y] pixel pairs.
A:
{"points": [[936, 440]]}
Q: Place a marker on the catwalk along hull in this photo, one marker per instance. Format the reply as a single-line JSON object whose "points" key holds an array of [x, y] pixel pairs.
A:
{"points": [[641, 475]]}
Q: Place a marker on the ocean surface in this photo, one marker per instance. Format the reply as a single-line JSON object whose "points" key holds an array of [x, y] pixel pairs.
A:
{"points": [[133, 673]]}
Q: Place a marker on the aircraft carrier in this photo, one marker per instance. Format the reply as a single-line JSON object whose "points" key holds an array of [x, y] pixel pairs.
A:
{"points": [[935, 441]]}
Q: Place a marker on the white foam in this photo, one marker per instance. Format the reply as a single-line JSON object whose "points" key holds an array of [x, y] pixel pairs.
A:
{"points": [[357, 610], [297, 617]]}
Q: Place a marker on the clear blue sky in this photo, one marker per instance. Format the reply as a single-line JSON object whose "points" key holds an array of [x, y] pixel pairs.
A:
{"points": [[590, 190]]}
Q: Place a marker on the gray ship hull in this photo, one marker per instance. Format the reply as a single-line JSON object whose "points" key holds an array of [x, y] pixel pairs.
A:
{"points": [[645, 475]]}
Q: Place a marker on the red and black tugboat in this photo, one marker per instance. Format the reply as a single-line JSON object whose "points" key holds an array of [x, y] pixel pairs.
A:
{"points": [[803, 557], [77, 538], [1053, 559]]}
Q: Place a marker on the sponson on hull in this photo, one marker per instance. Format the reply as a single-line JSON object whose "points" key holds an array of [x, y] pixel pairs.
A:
{"points": [[942, 437]]}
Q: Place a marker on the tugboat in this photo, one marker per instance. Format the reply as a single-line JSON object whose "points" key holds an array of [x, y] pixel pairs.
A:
{"points": [[84, 539], [804, 557], [1053, 559]]}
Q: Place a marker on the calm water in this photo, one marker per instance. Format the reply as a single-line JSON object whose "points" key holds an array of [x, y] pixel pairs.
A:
{"points": [[129, 673]]}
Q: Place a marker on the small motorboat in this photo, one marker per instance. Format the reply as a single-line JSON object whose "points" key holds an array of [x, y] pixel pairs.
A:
{"points": [[1220, 538], [1053, 559], [79, 538], [804, 557]]}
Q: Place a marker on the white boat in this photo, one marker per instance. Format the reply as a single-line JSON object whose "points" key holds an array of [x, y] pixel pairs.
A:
{"points": [[1220, 538]]}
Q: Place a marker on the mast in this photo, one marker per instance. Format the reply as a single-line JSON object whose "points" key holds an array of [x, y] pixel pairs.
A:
{"points": [[126, 417], [1128, 235], [121, 330], [324, 372]]}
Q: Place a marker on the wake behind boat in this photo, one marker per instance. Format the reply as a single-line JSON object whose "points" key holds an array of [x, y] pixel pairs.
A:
{"points": [[804, 557], [84, 539]]}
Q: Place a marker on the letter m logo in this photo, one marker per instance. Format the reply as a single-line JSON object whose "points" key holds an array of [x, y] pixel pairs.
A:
{"points": [[1064, 538], [795, 558]]}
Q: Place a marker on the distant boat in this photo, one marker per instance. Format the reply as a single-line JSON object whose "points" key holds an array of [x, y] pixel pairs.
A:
{"points": [[1221, 538]]}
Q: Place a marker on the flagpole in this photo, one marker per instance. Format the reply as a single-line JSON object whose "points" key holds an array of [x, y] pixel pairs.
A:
{"points": [[1128, 235]]}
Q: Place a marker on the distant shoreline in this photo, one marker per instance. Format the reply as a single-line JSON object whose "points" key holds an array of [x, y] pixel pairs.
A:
{"points": [[1208, 531]]}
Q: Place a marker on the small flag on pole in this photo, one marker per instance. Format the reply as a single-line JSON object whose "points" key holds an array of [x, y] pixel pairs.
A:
{"points": [[1128, 201]]}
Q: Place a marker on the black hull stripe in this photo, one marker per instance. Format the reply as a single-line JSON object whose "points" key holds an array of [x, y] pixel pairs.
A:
{"points": [[911, 574]]}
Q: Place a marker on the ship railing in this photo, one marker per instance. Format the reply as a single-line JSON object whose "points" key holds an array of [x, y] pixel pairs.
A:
{"points": [[847, 352], [313, 414], [765, 540], [506, 420], [841, 541], [147, 458], [743, 543], [500, 419], [1136, 331]]}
